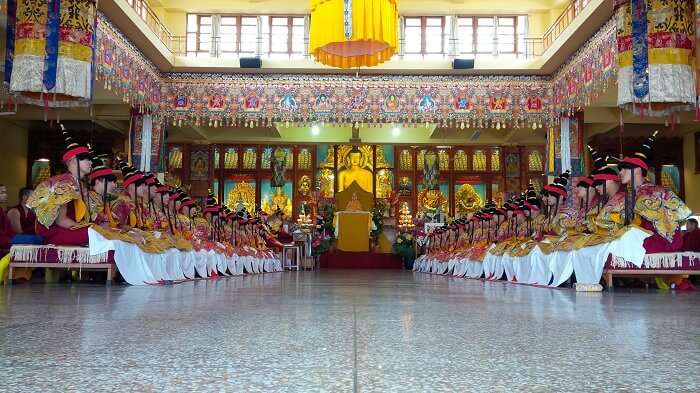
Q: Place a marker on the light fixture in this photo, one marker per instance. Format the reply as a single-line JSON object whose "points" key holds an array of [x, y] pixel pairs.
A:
{"points": [[396, 131], [315, 130]]}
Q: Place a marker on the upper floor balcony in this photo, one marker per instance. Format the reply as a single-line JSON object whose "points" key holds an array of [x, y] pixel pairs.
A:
{"points": [[499, 43]]}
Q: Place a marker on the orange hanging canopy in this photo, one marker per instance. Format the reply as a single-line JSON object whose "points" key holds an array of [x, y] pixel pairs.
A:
{"points": [[353, 33]]}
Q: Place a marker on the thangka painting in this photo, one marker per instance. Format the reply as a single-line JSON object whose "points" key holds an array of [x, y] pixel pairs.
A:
{"points": [[199, 163], [512, 165]]}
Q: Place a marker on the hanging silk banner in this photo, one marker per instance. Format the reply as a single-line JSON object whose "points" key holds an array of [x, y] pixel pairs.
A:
{"points": [[656, 56], [53, 51], [564, 146], [145, 140]]}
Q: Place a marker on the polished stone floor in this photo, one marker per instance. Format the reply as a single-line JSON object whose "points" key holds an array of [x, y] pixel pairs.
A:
{"points": [[346, 331]]}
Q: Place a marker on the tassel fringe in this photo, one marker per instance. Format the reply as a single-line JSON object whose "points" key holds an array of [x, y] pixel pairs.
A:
{"points": [[65, 255], [668, 260]]}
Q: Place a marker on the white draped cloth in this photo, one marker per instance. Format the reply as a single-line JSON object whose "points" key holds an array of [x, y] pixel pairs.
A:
{"points": [[538, 268], [142, 268]]}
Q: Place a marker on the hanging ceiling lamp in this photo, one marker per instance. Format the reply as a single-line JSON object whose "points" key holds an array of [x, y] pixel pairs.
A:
{"points": [[353, 33]]}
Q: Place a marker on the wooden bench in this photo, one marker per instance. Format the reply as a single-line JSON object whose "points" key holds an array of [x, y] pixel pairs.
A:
{"points": [[663, 264], [60, 257]]}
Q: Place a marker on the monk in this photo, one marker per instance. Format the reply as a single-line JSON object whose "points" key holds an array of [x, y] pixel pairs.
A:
{"points": [[59, 202]]}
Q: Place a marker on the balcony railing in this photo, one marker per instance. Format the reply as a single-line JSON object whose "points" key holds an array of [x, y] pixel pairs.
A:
{"points": [[152, 21], [572, 10], [534, 47]]}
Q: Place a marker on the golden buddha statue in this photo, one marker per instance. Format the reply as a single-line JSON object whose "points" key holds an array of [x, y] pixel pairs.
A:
{"points": [[354, 172]]}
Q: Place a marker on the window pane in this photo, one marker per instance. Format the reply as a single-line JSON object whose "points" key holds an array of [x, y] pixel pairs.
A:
{"points": [[298, 21], [413, 39], [485, 21], [433, 39], [433, 21], [485, 35], [298, 39], [205, 20], [191, 42], [412, 21], [279, 39], [205, 29], [191, 23], [249, 35], [506, 21]]}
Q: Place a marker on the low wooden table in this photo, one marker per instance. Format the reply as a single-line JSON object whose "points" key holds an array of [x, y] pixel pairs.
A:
{"points": [[59, 257], [684, 263]]}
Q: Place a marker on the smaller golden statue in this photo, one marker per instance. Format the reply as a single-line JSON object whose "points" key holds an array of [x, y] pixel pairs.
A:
{"points": [[304, 185], [280, 200], [354, 205], [467, 200]]}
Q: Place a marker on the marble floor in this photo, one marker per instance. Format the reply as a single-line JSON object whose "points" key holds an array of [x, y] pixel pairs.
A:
{"points": [[346, 331]]}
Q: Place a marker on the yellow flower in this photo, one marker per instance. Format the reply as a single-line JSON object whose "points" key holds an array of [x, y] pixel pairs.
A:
{"points": [[398, 240], [409, 237]]}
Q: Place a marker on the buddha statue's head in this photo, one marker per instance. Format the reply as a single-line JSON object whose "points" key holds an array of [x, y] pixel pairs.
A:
{"points": [[355, 158]]}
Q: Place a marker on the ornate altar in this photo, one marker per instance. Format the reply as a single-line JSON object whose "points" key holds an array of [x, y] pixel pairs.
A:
{"points": [[453, 180], [353, 220]]}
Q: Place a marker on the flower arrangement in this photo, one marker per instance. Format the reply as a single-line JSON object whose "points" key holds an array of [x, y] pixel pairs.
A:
{"points": [[403, 247], [380, 207], [323, 235]]}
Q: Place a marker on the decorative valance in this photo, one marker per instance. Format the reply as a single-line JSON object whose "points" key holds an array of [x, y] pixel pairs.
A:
{"points": [[224, 99]]}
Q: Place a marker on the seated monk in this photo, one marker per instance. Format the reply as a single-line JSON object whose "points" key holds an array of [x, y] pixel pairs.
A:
{"points": [[655, 208], [59, 202], [101, 198], [691, 237], [22, 219]]}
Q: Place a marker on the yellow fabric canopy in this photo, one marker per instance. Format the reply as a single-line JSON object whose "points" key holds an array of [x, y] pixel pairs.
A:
{"points": [[374, 27]]}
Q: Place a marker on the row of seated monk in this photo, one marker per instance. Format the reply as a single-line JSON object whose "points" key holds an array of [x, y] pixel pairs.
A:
{"points": [[17, 223]]}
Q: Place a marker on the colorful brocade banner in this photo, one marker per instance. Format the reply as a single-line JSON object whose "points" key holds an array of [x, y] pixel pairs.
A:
{"points": [[124, 70], [253, 99], [224, 99], [49, 53], [588, 73]]}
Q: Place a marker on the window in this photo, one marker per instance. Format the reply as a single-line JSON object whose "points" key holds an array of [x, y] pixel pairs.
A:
{"points": [[424, 35], [140, 6], [245, 35], [228, 31], [199, 34], [491, 34], [286, 35]]}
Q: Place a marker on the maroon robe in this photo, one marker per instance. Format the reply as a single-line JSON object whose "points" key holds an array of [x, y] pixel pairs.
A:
{"points": [[691, 241], [58, 235], [27, 221], [5, 230]]}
